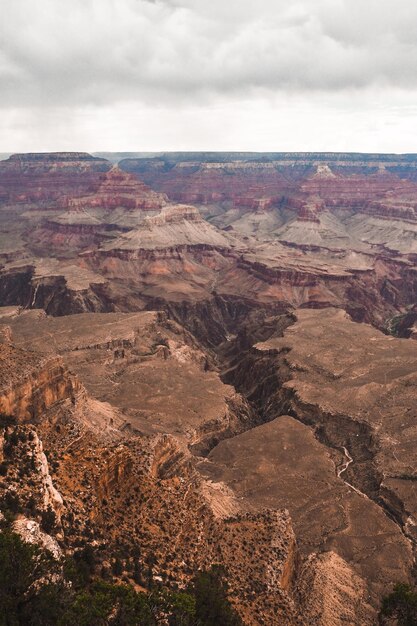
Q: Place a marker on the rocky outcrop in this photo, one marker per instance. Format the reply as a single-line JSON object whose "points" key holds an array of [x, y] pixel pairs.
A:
{"points": [[357, 393], [271, 564], [200, 182], [151, 364], [331, 593], [174, 226], [304, 230], [247, 423], [31, 384], [333, 201], [118, 189], [31, 532], [114, 474], [28, 493]]}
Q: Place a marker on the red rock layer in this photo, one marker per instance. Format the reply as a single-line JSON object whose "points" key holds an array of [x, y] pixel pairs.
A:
{"points": [[308, 187], [119, 189], [244, 184], [43, 178]]}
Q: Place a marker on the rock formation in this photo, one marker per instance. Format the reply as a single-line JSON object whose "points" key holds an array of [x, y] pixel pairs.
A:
{"points": [[40, 179]]}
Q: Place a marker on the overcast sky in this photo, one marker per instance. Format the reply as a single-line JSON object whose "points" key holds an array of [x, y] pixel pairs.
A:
{"points": [[208, 75]]}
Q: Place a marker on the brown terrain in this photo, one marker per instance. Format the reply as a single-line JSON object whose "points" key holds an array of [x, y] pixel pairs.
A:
{"points": [[211, 360]]}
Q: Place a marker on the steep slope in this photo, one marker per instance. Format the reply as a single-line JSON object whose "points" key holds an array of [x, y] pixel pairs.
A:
{"points": [[197, 400], [175, 225], [132, 498]]}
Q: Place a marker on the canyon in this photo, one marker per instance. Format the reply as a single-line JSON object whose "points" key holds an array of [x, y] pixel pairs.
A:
{"points": [[210, 359]]}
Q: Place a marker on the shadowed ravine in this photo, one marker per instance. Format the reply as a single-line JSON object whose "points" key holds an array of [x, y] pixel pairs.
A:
{"points": [[260, 376]]}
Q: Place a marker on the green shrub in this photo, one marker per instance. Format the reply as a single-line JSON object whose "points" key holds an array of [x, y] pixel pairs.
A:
{"points": [[401, 605], [48, 520], [29, 598], [212, 604]]}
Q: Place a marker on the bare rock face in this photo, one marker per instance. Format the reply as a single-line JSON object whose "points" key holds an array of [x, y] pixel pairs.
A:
{"points": [[174, 226], [332, 593], [364, 402], [126, 456], [117, 190], [201, 182], [143, 491], [43, 178], [31, 532], [31, 385], [304, 230], [311, 199], [29, 490], [358, 391]]}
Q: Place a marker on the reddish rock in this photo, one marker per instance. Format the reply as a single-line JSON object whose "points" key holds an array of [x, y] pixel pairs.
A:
{"points": [[43, 178], [118, 189]]}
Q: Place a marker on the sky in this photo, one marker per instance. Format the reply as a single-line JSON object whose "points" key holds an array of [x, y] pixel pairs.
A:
{"points": [[156, 75]]}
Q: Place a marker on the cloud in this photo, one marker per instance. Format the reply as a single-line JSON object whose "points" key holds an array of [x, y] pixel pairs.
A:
{"points": [[59, 59], [122, 50]]}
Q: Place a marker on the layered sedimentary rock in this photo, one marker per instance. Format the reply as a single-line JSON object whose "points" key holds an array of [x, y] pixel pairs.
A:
{"points": [[43, 178], [281, 465], [288, 192], [363, 399], [237, 177], [174, 226], [154, 403], [329, 238], [356, 388], [30, 384], [148, 368], [137, 496], [331, 593], [117, 190]]}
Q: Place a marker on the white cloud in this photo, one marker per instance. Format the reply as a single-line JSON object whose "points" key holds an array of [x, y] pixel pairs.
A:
{"points": [[59, 61]]}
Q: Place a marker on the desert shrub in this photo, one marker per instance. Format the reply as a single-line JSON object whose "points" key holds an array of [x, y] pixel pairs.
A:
{"points": [[21, 565], [80, 567], [212, 606], [3, 468], [48, 520], [11, 503], [6, 420], [29, 598], [400, 604], [11, 440], [117, 567]]}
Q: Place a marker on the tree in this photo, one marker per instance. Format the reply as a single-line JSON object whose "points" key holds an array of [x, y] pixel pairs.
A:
{"points": [[46, 606], [212, 604], [179, 607], [7, 420], [28, 597], [21, 565], [48, 520], [401, 605]]}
